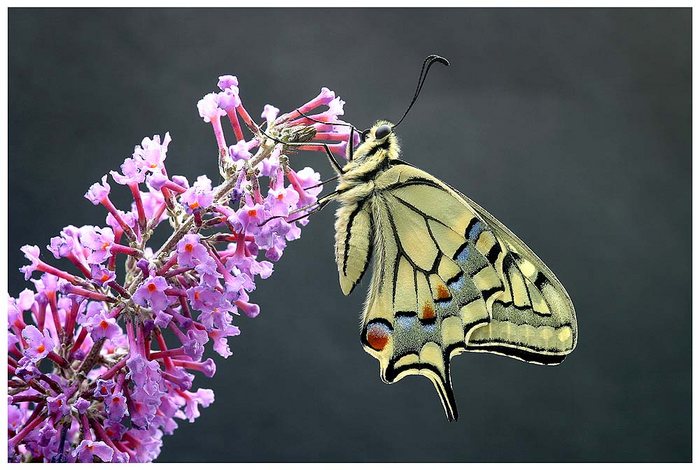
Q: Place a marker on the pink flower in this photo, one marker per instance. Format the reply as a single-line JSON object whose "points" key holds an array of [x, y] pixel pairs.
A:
{"points": [[152, 293], [151, 154], [199, 196], [31, 252], [190, 251], [39, 344], [99, 240], [269, 114], [98, 192], [125, 335], [102, 326], [227, 81], [209, 108], [203, 397], [87, 450]]}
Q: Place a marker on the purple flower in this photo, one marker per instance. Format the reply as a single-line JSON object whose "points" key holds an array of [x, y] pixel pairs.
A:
{"points": [[61, 247], [220, 338], [190, 251], [58, 405], [148, 389], [101, 275], [323, 98], [248, 218], [116, 406], [228, 99], [98, 192], [208, 272], [241, 150], [194, 344], [101, 326], [199, 196], [87, 450], [81, 405], [203, 397], [26, 369], [99, 241], [227, 81], [151, 154], [38, 345], [132, 172], [15, 417], [152, 293], [209, 108], [104, 388], [31, 252], [279, 202], [126, 334], [269, 114]]}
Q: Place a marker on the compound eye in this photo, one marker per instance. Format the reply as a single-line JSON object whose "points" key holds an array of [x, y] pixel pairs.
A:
{"points": [[382, 131]]}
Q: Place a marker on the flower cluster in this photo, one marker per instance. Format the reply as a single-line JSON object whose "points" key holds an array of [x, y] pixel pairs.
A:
{"points": [[101, 359]]}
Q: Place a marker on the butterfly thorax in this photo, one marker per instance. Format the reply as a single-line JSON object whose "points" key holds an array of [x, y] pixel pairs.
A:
{"points": [[369, 160]]}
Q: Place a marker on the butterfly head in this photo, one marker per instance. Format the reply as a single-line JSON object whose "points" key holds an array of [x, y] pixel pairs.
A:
{"points": [[378, 141]]}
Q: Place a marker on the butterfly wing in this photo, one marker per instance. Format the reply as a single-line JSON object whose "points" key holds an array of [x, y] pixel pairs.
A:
{"points": [[446, 279], [539, 323]]}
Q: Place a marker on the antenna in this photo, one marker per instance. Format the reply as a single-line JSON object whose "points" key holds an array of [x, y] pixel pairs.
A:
{"points": [[430, 60]]}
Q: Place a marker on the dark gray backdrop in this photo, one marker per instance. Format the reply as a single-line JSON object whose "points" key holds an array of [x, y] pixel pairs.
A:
{"points": [[571, 126]]}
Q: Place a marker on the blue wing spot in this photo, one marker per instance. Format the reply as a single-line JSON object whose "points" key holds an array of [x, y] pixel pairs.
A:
{"points": [[458, 285], [405, 322], [463, 255], [475, 231]]}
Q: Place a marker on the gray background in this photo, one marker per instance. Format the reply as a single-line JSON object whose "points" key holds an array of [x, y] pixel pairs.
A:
{"points": [[571, 126]]}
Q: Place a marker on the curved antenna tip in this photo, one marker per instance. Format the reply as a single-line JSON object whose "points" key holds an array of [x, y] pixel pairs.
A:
{"points": [[438, 58]]}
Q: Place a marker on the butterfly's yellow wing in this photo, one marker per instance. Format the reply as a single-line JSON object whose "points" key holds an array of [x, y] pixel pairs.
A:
{"points": [[447, 277]]}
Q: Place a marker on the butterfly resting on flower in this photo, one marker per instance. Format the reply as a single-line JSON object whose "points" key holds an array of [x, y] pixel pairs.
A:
{"points": [[447, 277]]}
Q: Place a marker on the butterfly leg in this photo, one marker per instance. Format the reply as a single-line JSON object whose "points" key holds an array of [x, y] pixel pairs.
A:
{"points": [[310, 209], [331, 159], [314, 208], [350, 150]]}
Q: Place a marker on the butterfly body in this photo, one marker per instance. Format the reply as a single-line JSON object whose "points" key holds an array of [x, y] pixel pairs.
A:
{"points": [[447, 276]]}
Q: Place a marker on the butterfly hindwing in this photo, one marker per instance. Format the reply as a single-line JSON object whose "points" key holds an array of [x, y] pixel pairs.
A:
{"points": [[539, 323], [353, 236], [447, 277]]}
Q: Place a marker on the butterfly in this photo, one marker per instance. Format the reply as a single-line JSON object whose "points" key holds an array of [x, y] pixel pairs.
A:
{"points": [[447, 276]]}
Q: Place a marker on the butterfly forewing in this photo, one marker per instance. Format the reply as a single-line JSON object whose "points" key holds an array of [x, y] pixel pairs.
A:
{"points": [[447, 277]]}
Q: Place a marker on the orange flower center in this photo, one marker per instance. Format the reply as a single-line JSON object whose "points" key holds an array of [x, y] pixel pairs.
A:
{"points": [[152, 287], [41, 348], [189, 247], [104, 324], [252, 213]]}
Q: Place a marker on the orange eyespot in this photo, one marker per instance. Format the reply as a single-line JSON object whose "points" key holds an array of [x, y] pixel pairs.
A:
{"points": [[104, 324], [252, 213], [194, 205], [280, 197], [189, 247], [41, 348], [428, 312], [377, 335], [152, 287], [443, 293]]}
